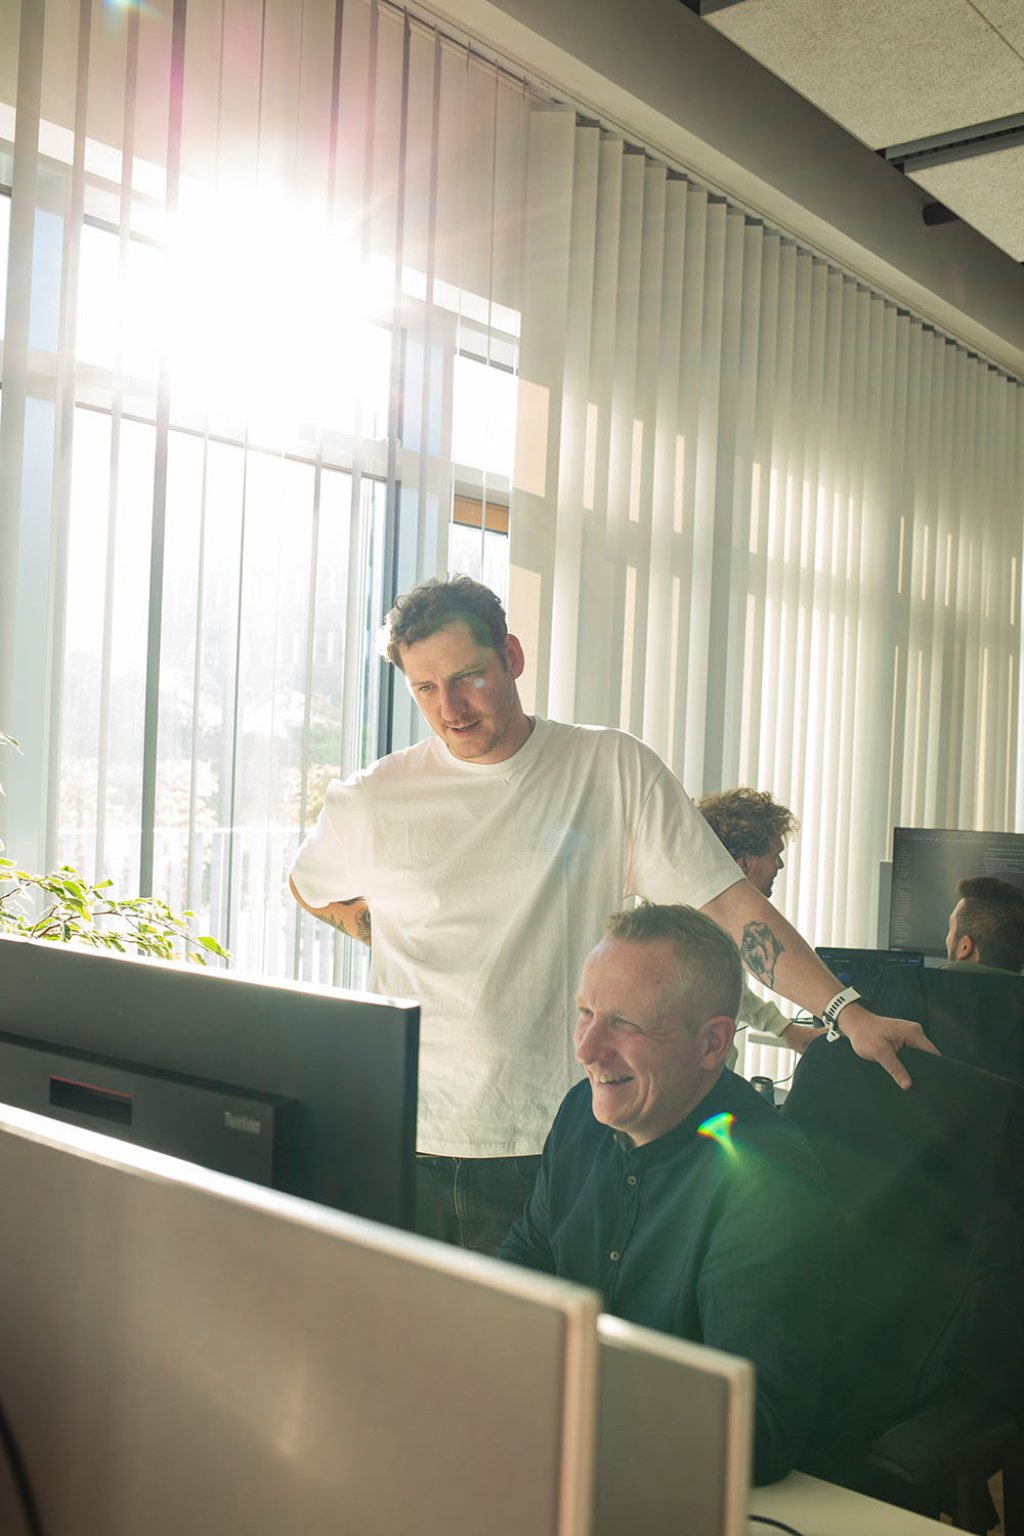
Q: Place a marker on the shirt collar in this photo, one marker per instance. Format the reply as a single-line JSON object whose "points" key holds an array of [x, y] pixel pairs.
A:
{"points": [[719, 1099]]}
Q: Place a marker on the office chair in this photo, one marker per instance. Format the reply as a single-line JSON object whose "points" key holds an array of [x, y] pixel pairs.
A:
{"points": [[972, 1016], [927, 1376]]}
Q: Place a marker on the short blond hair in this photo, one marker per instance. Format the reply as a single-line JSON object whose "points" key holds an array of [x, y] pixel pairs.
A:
{"points": [[709, 962]]}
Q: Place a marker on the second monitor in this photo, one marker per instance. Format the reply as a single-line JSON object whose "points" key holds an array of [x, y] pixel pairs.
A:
{"points": [[309, 1090], [927, 863]]}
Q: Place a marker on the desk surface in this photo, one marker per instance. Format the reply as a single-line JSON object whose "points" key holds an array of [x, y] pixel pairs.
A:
{"points": [[815, 1508]]}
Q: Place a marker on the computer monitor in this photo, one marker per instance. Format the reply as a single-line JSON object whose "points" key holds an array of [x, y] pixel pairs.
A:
{"points": [[305, 1089], [927, 862], [675, 1435], [182, 1351], [862, 968]]}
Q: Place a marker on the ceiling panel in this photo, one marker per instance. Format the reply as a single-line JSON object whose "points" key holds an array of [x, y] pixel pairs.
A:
{"points": [[889, 71], [986, 191], [1007, 16]]}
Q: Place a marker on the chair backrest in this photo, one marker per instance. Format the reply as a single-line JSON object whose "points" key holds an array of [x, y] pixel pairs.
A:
{"points": [[931, 1184], [972, 1016]]}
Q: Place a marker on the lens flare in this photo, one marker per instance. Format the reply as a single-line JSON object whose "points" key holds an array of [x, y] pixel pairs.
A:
{"points": [[719, 1128]]}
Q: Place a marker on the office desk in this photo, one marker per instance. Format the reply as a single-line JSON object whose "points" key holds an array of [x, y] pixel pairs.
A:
{"points": [[815, 1508]]}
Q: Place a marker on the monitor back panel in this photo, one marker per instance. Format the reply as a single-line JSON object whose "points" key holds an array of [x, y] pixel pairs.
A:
{"points": [[675, 1433], [182, 1351]]}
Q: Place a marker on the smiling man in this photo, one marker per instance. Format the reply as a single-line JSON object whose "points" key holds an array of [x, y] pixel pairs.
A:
{"points": [[672, 1187], [486, 858]]}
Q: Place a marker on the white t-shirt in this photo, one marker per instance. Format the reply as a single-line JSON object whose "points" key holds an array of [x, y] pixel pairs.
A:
{"points": [[488, 885], [757, 1013]]}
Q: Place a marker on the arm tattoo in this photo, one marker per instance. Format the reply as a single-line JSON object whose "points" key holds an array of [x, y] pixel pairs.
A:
{"points": [[355, 925], [759, 952], [364, 928], [360, 927]]}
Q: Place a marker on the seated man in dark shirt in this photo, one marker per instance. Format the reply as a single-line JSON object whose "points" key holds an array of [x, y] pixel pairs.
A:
{"points": [[672, 1187]]}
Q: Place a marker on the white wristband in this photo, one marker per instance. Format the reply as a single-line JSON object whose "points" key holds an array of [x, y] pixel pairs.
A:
{"points": [[830, 1013]]}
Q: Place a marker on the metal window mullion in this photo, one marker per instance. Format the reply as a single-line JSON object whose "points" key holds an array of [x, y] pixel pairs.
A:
{"points": [[64, 435], [231, 900], [352, 697], [163, 417], [193, 866], [229, 874], [385, 677], [311, 611], [106, 644], [24, 186]]}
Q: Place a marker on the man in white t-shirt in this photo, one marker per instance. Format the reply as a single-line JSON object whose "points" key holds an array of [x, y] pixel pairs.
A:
{"points": [[486, 859]]}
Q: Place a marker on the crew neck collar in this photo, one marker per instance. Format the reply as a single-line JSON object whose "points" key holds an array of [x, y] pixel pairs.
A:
{"points": [[507, 766]]}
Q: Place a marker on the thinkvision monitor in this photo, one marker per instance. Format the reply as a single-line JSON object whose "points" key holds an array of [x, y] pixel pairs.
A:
{"points": [[184, 1352], [305, 1089], [927, 863]]}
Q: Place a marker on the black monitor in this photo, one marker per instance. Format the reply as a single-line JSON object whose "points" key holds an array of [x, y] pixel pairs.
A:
{"points": [[927, 863], [304, 1089]]}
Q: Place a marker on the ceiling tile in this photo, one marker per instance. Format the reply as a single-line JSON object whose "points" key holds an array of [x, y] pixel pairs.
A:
{"points": [[1007, 16], [986, 191], [889, 72]]}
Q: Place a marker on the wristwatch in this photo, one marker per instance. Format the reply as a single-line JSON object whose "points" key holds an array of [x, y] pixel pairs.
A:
{"points": [[830, 1013]]}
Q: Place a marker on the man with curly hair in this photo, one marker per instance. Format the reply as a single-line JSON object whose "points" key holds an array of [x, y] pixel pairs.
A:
{"points": [[754, 829]]}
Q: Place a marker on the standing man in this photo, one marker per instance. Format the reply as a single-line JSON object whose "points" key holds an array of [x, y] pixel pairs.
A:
{"points": [[486, 858], [754, 829]]}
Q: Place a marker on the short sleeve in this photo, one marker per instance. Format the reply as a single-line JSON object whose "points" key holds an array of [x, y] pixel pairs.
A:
{"points": [[332, 864], [676, 856]]}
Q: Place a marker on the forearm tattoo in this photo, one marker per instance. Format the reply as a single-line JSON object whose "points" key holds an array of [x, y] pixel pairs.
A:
{"points": [[364, 928], [759, 952], [358, 926]]}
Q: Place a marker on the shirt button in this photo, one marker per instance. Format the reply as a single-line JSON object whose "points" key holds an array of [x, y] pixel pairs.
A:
{"points": [[614, 1255], [631, 1179]]}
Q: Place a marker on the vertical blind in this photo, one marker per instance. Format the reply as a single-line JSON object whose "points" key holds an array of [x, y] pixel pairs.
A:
{"points": [[762, 517], [307, 300]]}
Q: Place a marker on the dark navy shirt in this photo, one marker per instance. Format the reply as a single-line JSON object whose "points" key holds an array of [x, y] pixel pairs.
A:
{"points": [[723, 1235]]}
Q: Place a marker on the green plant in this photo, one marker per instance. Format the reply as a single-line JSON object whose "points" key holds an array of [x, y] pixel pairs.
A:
{"points": [[72, 910]]}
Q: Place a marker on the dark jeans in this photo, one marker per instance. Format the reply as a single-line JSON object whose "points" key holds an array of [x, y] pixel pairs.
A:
{"points": [[471, 1201]]}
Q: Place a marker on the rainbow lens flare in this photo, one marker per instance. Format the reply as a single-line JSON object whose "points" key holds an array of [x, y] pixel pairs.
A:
{"points": [[719, 1128]]}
